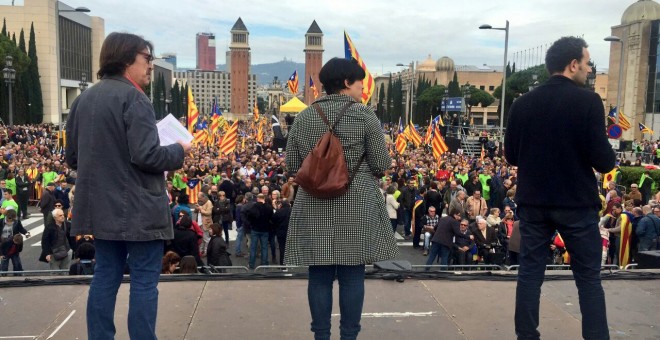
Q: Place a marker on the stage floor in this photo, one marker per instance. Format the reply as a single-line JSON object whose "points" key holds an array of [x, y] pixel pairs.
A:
{"points": [[277, 309]]}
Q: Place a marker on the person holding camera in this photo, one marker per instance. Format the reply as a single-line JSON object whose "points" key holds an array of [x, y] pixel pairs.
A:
{"points": [[429, 222]]}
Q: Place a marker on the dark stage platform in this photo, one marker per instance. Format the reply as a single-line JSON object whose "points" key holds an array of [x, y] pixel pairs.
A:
{"points": [[277, 309]]}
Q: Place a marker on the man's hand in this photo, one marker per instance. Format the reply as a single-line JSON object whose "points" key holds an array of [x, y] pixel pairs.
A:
{"points": [[186, 146], [471, 237], [27, 235], [47, 258]]}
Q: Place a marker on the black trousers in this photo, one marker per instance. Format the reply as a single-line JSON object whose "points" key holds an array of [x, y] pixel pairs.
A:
{"points": [[22, 200]]}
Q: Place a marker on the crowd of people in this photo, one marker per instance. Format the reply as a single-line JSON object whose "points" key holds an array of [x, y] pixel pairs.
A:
{"points": [[252, 190]]}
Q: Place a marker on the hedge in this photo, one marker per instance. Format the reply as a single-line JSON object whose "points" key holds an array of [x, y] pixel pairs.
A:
{"points": [[632, 174]]}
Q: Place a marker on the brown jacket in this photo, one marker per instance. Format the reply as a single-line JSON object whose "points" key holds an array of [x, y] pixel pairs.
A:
{"points": [[476, 207], [206, 210]]}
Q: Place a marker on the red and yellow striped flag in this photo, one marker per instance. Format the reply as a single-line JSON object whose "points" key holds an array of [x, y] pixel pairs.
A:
{"points": [[193, 114], [439, 146], [368, 81], [624, 123], [624, 246], [401, 144], [412, 135], [260, 133], [201, 136], [429, 132], [228, 144], [192, 190], [255, 111]]}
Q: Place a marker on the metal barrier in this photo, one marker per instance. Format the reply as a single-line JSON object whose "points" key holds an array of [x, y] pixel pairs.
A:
{"points": [[278, 268], [36, 272], [466, 267], [562, 267], [630, 266], [214, 270]]}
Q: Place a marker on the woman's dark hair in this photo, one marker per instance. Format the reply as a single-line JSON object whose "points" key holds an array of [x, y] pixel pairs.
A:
{"points": [[86, 251], [170, 258], [216, 229], [562, 52], [119, 51], [185, 222], [183, 199], [336, 70], [188, 265]]}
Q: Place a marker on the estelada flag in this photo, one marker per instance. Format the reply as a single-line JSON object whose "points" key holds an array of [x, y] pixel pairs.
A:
{"points": [[368, 81], [293, 83], [193, 114], [192, 190], [312, 87]]}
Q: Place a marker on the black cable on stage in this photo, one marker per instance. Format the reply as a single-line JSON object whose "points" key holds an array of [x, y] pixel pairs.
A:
{"points": [[491, 276]]}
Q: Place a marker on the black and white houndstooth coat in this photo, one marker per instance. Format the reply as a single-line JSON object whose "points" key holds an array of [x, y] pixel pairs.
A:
{"points": [[351, 229]]}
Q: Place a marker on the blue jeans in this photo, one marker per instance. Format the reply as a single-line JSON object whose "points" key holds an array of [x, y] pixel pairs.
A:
{"points": [[351, 299], [239, 240], [144, 261], [441, 250], [407, 218], [646, 244], [225, 228], [579, 229], [16, 264], [256, 238]]}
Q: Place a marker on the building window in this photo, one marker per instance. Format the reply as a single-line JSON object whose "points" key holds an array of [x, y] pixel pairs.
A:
{"points": [[491, 88], [75, 49], [482, 87], [653, 85]]}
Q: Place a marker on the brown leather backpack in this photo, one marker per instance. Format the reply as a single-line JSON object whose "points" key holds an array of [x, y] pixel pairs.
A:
{"points": [[324, 173]]}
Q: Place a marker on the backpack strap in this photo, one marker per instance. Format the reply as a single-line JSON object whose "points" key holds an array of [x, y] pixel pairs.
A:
{"points": [[325, 119], [331, 128]]}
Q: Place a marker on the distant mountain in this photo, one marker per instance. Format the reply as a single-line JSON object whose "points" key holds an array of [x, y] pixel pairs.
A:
{"points": [[282, 69]]}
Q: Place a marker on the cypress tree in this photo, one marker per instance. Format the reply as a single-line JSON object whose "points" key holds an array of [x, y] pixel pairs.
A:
{"points": [[388, 103], [4, 26], [175, 100], [379, 107], [22, 88], [453, 87], [163, 94], [36, 108]]}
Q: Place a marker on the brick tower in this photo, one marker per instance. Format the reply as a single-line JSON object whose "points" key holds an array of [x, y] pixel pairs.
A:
{"points": [[239, 67], [313, 60]]}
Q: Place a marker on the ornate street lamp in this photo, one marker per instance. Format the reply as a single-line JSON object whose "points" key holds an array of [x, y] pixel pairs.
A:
{"points": [[467, 94], [535, 82], [83, 82], [10, 75]]}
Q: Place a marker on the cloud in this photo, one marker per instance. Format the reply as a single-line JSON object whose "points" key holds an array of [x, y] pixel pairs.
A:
{"points": [[385, 32]]}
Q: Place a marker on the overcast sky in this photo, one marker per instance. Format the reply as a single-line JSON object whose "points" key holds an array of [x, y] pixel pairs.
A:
{"points": [[385, 32]]}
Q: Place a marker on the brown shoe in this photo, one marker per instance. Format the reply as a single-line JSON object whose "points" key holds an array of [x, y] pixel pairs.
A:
{"points": [[426, 253]]}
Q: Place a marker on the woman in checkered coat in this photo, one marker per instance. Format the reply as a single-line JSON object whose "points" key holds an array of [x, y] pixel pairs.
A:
{"points": [[339, 236]]}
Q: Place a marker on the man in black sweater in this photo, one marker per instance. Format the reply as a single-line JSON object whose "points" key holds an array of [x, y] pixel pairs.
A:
{"points": [[560, 122], [259, 216]]}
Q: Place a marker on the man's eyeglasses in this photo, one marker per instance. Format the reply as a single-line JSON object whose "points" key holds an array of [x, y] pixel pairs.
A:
{"points": [[147, 56], [58, 205], [463, 225]]}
